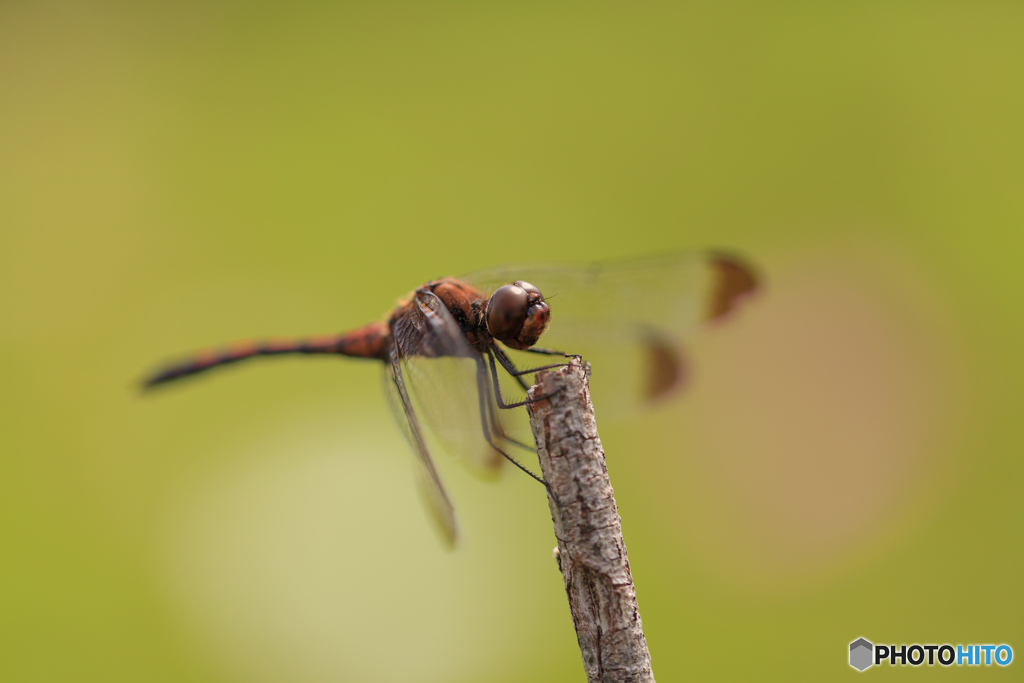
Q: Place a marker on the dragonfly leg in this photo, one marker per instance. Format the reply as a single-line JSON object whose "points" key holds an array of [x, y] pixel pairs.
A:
{"points": [[517, 442], [550, 352], [497, 390], [510, 368], [501, 354], [484, 387], [484, 401], [495, 421]]}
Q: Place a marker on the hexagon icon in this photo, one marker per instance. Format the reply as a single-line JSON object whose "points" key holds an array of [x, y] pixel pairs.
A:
{"points": [[861, 654]]}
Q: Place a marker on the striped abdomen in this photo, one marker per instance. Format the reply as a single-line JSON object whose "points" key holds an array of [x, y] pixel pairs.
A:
{"points": [[366, 342]]}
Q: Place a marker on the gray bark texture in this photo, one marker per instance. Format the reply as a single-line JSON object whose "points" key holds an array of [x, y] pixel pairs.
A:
{"points": [[591, 552]]}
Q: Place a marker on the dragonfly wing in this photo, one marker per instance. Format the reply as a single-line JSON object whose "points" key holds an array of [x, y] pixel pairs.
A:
{"points": [[440, 505], [672, 292], [448, 382], [628, 317], [631, 368]]}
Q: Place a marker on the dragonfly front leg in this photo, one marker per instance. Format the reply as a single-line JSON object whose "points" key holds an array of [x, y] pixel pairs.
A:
{"points": [[497, 389], [510, 368], [505, 363], [549, 352]]}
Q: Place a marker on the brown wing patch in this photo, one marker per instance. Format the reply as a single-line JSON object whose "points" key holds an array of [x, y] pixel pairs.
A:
{"points": [[734, 281], [664, 367]]}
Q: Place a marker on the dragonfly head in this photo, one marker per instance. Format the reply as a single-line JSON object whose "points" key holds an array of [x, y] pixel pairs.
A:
{"points": [[517, 315]]}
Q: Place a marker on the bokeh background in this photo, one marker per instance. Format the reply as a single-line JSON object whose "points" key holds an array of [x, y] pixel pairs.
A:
{"points": [[846, 462]]}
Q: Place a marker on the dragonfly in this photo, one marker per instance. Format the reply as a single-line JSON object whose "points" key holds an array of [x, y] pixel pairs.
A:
{"points": [[442, 346]]}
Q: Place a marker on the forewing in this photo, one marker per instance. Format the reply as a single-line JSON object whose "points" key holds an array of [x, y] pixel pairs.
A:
{"points": [[627, 317], [672, 293], [438, 502], [441, 371]]}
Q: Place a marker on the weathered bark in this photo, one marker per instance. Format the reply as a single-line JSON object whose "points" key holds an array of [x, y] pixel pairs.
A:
{"points": [[591, 553]]}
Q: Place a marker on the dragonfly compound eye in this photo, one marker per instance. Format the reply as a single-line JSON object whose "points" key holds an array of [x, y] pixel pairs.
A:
{"points": [[532, 291], [506, 312], [517, 315]]}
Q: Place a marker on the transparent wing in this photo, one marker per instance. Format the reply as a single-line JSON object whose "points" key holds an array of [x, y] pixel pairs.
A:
{"points": [[629, 372], [434, 494], [628, 317], [672, 293], [448, 383]]}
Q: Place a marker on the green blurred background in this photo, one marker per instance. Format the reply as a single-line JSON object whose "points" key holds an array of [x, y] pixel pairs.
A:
{"points": [[846, 462]]}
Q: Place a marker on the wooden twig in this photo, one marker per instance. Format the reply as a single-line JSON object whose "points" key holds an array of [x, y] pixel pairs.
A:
{"points": [[591, 553]]}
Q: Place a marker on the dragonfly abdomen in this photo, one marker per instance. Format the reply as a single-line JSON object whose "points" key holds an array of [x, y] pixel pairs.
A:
{"points": [[366, 342]]}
